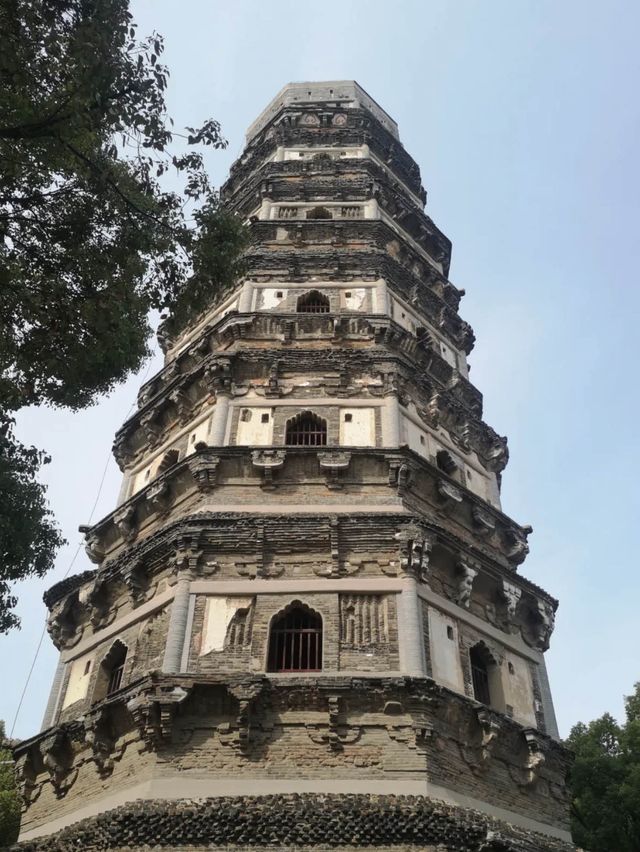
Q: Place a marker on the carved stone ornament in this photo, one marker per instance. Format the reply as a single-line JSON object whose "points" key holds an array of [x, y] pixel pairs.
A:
{"points": [[416, 547], [122, 452], [183, 403], [517, 548], [535, 757], [448, 495], [124, 521], [466, 575], [158, 496], [188, 552], [246, 695], [100, 737], [99, 604], [217, 375], [57, 757], [334, 463], [483, 522], [151, 429], [490, 726], [154, 713], [93, 546], [544, 624], [511, 595], [268, 461], [62, 622], [203, 466], [135, 578], [337, 733]]}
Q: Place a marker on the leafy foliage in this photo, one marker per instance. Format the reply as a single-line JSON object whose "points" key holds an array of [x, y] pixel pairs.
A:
{"points": [[606, 781], [90, 239], [9, 798]]}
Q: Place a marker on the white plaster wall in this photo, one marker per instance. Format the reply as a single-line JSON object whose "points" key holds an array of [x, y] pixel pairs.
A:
{"points": [[518, 689], [217, 616], [251, 429], [445, 655], [199, 433], [354, 299], [270, 297], [79, 677], [415, 438], [357, 427], [309, 153]]}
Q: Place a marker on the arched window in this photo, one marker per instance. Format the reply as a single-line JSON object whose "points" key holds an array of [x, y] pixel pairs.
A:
{"points": [[306, 430], [170, 458], [480, 663], [295, 640], [319, 213], [109, 679], [313, 302]]}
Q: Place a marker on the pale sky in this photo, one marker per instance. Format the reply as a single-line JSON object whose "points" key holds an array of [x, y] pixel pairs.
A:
{"points": [[523, 116]]}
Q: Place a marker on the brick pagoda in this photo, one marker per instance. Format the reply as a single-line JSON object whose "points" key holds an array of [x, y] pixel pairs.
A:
{"points": [[306, 628]]}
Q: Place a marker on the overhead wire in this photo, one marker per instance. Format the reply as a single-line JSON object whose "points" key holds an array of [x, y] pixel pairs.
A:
{"points": [[71, 564]]}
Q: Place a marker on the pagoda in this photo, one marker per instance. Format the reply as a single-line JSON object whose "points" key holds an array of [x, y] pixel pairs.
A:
{"points": [[305, 627]]}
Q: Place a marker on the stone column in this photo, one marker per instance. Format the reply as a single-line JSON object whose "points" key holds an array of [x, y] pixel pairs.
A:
{"points": [[391, 421], [177, 627], [244, 303], [410, 630], [382, 299], [54, 696], [218, 429]]}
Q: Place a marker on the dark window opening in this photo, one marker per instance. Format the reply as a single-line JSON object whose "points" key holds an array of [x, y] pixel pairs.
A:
{"points": [[306, 430], [111, 674], [480, 675], [319, 213], [265, 418], [295, 641], [313, 302], [449, 632], [348, 418]]}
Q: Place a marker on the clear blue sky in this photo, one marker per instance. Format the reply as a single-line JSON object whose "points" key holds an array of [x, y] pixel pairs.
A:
{"points": [[523, 115]]}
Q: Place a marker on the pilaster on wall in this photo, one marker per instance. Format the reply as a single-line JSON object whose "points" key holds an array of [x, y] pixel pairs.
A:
{"points": [[54, 696], [391, 421], [218, 430], [410, 630], [177, 627]]}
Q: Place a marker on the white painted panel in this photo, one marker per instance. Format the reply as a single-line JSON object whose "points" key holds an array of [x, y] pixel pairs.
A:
{"points": [[197, 434], [271, 297], [357, 427], [79, 678], [354, 299], [217, 616], [445, 655], [255, 427], [518, 689], [414, 437]]}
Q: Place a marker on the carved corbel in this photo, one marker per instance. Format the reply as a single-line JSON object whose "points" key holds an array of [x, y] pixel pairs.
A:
{"points": [[449, 496], [61, 624], [334, 463], [203, 466], [134, 576], [497, 455], [152, 430], [246, 695], [153, 715], [516, 545], [490, 727], [415, 555], [400, 474], [25, 775], [93, 546], [187, 552], [183, 403], [100, 737], [467, 572], [99, 604], [217, 375], [122, 452], [337, 733], [57, 757], [268, 461], [158, 496], [432, 411], [511, 594], [535, 757], [545, 619], [483, 522], [125, 522]]}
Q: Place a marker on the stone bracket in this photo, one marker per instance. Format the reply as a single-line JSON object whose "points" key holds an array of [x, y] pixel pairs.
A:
{"points": [[334, 463], [268, 461]]}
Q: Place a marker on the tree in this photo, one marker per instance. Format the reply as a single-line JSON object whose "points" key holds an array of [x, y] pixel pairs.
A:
{"points": [[9, 796], [605, 779], [90, 238]]}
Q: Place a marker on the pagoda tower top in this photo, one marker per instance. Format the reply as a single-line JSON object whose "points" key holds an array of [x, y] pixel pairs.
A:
{"points": [[347, 93]]}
